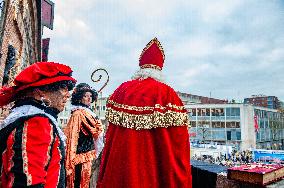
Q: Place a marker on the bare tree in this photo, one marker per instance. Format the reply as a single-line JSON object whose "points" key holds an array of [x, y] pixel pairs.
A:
{"points": [[203, 129]]}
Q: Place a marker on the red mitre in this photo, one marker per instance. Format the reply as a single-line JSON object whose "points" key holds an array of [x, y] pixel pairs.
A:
{"points": [[152, 55], [37, 74]]}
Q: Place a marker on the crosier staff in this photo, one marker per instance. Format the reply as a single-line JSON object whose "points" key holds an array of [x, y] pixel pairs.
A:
{"points": [[96, 163], [100, 77]]}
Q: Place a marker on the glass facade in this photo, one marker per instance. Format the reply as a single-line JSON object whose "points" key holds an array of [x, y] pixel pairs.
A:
{"points": [[215, 125], [270, 134]]}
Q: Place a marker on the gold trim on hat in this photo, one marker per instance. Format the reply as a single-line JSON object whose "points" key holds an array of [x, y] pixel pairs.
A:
{"points": [[155, 40], [150, 66]]}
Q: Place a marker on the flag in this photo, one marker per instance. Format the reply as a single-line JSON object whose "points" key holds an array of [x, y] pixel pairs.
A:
{"points": [[47, 13], [192, 134], [255, 124]]}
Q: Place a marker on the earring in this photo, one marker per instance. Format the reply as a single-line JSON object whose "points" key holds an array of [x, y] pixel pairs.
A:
{"points": [[44, 103]]}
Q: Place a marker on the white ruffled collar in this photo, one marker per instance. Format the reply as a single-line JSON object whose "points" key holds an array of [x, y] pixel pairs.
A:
{"points": [[76, 107], [29, 110]]}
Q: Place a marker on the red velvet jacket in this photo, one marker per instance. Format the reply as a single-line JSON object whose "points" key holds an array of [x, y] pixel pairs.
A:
{"points": [[32, 153]]}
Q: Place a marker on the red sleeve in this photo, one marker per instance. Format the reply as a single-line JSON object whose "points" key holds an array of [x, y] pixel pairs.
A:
{"points": [[36, 143]]}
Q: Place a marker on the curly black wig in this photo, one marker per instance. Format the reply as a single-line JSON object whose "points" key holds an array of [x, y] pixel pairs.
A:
{"points": [[50, 87], [57, 85], [80, 91]]}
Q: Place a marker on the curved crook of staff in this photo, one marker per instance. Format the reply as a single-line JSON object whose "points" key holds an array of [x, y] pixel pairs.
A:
{"points": [[100, 77]]}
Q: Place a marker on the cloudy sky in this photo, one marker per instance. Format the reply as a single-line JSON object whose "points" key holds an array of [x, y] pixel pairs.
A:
{"points": [[229, 48]]}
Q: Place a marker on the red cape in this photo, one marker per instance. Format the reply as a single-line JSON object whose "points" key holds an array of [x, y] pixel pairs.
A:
{"points": [[146, 104], [147, 141]]}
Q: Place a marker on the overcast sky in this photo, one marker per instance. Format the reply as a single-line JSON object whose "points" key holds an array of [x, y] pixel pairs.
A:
{"points": [[229, 48]]}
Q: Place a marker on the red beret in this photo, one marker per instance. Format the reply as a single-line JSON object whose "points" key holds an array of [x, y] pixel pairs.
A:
{"points": [[152, 55], [37, 74]]}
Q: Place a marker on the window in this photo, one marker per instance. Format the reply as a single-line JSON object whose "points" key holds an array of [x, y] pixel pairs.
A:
{"points": [[207, 112], [198, 111], [193, 123], [217, 112], [265, 114], [204, 123], [233, 124], [201, 111], [264, 135], [233, 111], [229, 135], [258, 136], [238, 135], [218, 134], [218, 124], [261, 123], [228, 111], [213, 112], [194, 112]]}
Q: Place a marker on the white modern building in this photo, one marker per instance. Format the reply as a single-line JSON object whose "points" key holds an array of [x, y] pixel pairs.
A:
{"points": [[236, 125], [100, 107]]}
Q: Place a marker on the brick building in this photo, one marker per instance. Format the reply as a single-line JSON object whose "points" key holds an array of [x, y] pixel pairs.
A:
{"points": [[20, 39], [21, 23], [20, 43], [195, 99], [264, 101]]}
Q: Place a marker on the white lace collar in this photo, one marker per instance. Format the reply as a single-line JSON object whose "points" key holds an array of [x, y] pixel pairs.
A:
{"points": [[75, 107]]}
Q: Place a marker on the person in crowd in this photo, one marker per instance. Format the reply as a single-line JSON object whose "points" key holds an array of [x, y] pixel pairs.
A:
{"points": [[32, 143], [84, 137], [147, 140]]}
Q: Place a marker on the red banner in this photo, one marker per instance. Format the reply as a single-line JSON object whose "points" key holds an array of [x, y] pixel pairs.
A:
{"points": [[255, 124], [47, 13], [45, 47], [193, 134]]}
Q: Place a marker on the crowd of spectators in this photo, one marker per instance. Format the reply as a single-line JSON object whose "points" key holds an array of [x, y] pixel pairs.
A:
{"points": [[232, 159]]}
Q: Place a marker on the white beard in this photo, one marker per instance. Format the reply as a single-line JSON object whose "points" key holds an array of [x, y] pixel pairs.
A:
{"points": [[149, 72]]}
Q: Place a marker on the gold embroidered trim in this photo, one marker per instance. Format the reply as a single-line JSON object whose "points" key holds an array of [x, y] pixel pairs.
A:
{"points": [[84, 157], [145, 108], [150, 66], [155, 40], [60, 154], [25, 155], [11, 161], [147, 121], [49, 147]]}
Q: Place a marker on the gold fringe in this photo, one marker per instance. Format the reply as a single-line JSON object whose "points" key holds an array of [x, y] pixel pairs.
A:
{"points": [[84, 157], [147, 121]]}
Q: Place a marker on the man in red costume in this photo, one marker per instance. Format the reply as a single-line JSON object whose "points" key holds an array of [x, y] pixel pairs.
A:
{"points": [[32, 145], [147, 141]]}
